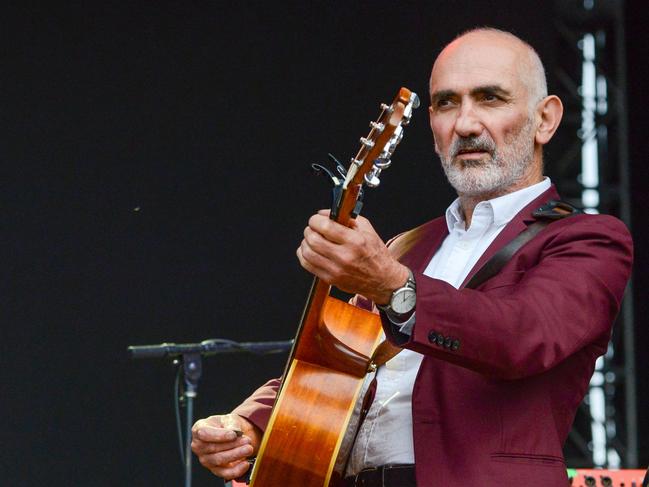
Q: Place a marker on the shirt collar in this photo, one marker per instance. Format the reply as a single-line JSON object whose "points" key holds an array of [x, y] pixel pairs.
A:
{"points": [[504, 207]]}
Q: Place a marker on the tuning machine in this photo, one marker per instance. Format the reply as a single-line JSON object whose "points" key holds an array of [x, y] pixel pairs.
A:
{"points": [[384, 160], [407, 112]]}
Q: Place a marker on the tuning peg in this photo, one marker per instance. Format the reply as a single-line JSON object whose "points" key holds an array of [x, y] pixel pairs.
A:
{"points": [[387, 108], [377, 126], [392, 144], [407, 112], [372, 177], [414, 99], [367, 142], [382, 163]]}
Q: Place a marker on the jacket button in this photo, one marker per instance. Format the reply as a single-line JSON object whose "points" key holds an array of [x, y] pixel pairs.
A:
{"points": [[448, 342], [432, 336], [455, 345], [440, 340]]}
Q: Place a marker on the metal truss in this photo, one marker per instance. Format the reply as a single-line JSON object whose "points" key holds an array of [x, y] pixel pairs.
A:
{"points": [[593, 172]]}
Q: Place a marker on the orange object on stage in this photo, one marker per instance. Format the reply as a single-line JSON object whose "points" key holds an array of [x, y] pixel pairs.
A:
{"points": [[606, 478], [587, 478]]}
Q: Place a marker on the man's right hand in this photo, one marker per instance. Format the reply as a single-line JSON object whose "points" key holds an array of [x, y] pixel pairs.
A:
{"points": [[220, 449]]}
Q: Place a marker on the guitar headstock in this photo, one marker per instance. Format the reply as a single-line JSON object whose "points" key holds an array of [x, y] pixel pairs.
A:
{"points": [[376, 151], [386, 132]]}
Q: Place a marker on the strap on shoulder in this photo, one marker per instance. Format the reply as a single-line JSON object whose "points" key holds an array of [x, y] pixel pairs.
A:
{"points": [[552, 211], [556, 210]]}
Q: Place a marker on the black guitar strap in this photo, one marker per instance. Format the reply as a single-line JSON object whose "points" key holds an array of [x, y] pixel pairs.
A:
{"points": [[553, 210]]}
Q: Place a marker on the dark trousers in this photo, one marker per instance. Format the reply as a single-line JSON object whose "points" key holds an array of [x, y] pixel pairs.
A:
{"points": [[384, 476]]}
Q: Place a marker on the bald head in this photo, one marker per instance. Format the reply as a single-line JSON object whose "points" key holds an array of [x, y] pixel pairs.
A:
{"points": [[490, 113], [526, 61]]}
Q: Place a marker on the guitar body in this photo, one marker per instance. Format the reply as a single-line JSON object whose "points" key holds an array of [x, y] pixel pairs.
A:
{"points": [[334, 346], [314, 408]]}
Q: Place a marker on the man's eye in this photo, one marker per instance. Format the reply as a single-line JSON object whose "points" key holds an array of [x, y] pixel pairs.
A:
{"points": [[443, 103], [490, 97]]}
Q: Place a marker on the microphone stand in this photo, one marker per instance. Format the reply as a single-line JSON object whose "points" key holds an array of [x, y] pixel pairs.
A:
{"points": [[192, 368], [189, 357]]}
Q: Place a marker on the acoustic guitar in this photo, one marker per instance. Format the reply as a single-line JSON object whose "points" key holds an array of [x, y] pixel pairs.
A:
{"points": [[335, 341]]}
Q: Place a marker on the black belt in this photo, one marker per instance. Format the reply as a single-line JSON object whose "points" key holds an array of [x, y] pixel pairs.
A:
{"points": [[384, 476]]}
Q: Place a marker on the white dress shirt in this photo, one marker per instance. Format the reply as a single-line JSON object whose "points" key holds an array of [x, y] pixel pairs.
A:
{"points": [[385, 437]]}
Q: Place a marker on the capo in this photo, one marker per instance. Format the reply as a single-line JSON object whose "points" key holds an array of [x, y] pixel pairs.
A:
{"points": [[339, 167], [337, 189]]}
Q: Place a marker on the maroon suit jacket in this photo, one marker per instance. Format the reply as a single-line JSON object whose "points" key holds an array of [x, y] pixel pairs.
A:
{"points": [[507, 364]]}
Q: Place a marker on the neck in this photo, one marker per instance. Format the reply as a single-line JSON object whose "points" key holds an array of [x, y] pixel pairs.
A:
{"points": [[468, 204]]}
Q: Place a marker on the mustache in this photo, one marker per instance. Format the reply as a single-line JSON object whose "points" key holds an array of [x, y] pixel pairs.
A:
{"points": [[472, 144]]}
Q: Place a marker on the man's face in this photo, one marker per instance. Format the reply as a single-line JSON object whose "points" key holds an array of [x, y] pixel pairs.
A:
{"points": [[480, 115]]}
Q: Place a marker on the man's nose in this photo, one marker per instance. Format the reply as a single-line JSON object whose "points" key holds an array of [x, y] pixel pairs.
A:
{"points": [[468, 123]]}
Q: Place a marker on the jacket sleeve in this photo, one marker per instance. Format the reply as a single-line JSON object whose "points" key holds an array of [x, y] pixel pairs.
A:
{"points": [[558, 294], [258, 406]]}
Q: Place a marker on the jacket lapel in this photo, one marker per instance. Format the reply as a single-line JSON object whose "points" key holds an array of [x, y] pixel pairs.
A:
{"points": [[517, 224]]}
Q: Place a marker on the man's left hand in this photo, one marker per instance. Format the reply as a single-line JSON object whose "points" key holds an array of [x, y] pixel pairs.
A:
{"points": [[354, 259]]}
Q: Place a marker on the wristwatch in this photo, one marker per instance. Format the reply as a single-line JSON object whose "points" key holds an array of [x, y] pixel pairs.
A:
{"points": [[403, 300]]}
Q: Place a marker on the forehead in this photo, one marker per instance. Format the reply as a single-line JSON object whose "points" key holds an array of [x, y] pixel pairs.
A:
{"points": [[479, 60]]}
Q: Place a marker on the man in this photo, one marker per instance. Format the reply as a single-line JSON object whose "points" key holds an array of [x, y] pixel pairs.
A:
{"points": [[489, 379]]}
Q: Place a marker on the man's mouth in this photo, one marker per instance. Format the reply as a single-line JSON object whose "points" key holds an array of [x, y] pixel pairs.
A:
{"points": [[471, 153]]}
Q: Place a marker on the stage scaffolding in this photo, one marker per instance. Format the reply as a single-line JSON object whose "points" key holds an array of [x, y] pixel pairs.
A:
{"points": [[592, 171]]}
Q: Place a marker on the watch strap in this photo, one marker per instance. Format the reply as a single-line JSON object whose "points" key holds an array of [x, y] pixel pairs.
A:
{"points": [[409, 284]]}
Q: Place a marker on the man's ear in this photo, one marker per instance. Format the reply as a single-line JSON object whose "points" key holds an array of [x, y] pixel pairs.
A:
{"points": [[549, 111]]}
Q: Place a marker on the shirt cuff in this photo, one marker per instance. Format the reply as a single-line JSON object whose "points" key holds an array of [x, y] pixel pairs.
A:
{"points": [[404, 327]]}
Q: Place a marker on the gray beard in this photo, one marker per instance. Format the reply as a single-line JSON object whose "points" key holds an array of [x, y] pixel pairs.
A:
{"points": [[495, 172]]}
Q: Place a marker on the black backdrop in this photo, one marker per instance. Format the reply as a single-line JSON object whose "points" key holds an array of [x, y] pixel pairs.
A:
{"points": [[155, 184]]}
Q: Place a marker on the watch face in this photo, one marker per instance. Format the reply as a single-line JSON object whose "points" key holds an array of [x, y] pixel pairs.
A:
{"points": [[403, 301]]}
